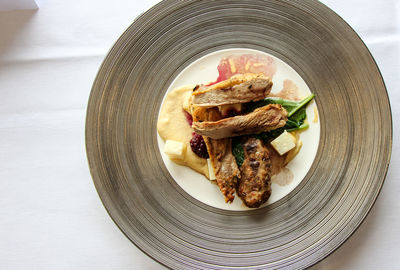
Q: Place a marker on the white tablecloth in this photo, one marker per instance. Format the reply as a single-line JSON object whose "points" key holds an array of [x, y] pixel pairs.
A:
{"points": [[50, 214]]}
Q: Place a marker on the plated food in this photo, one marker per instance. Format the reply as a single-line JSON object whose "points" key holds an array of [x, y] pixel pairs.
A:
{"points": [[172, 212], [234, 130]]}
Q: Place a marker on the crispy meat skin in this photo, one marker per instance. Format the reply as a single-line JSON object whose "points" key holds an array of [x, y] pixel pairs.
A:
{"points": [[255, 184], [220, 151], [201, 114], [263, 119], [238, 89]]}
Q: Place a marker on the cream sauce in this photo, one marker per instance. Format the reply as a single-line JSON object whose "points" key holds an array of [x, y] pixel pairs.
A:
{"points": [[289, 91], [315, 120], [283, 178], [172, 125]]}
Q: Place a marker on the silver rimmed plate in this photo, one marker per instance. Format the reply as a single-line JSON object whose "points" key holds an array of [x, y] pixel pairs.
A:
{"points": [[301, 228]]}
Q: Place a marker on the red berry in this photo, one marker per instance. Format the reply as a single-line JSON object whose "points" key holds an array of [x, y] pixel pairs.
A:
{"points": [[189, 118], [199, 146]]}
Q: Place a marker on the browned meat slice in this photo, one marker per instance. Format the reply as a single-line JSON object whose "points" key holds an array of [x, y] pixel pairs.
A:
{"points": [[263, 119], [220, 152], [255, 183], [225, 168], [201, 114], [238, 89]]}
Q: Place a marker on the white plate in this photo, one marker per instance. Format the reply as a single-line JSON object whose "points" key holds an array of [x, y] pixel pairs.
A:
{"points": [[204, 70]]}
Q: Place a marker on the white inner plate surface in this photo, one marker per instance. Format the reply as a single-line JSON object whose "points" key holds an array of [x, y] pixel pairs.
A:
{"points": [[204, 71]]}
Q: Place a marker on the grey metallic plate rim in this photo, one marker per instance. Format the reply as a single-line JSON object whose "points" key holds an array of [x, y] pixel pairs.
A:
{"points": [[295, 232]]}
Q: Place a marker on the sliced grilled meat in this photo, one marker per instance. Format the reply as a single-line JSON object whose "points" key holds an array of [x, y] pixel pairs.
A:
{"points": [[220, 151], [238, 89], [255, 184], [262, 119], [225, 168]]}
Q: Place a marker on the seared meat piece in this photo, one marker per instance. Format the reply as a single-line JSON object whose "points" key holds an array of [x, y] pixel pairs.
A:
{"points": [[237, 89], [225, 168], [201, 114], [255, 183], [220, 152], [263, 119]]}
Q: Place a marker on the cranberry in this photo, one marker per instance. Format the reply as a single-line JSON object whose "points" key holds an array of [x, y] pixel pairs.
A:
{"points": [[188, 117], [199, 146]]}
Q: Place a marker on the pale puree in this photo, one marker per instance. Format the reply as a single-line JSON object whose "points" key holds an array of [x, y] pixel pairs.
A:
{"points": [[172, 125]]}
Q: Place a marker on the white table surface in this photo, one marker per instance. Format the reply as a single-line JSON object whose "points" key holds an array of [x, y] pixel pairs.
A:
{"points": [[50, 214]]}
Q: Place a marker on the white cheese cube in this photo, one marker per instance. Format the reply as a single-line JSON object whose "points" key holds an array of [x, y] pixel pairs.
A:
{"points": [[210, 170], [174, 149], [284, 143]]}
